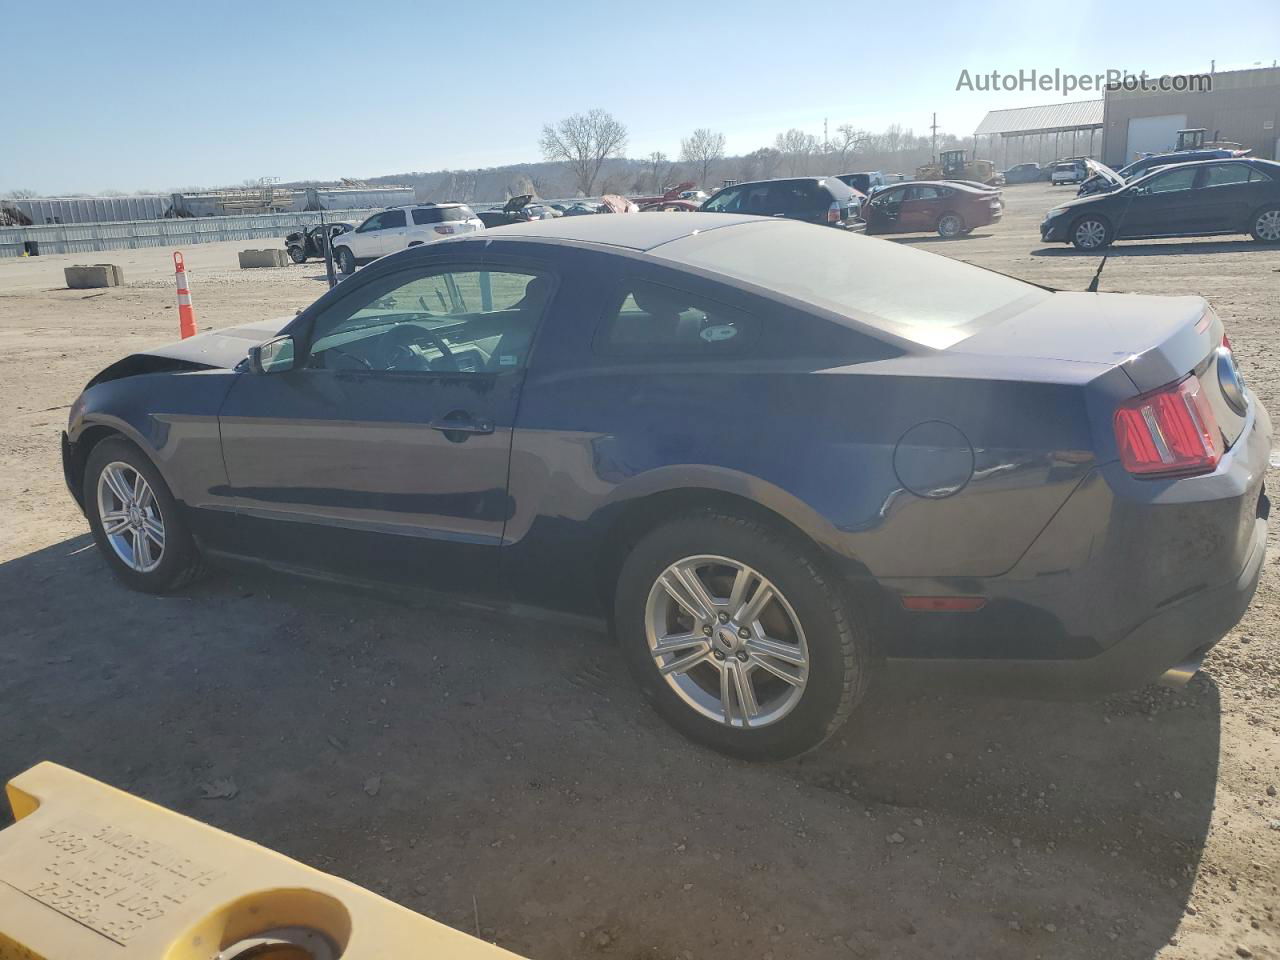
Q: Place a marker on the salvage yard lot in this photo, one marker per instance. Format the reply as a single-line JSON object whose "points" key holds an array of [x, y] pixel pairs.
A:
{"points": [[499, 770]]}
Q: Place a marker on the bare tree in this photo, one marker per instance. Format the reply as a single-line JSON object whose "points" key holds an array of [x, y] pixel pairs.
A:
{"points": [[846, 142], [21, 195], [759, 164], [658, 168], [796, 147], [703, 148], [584, 142]]}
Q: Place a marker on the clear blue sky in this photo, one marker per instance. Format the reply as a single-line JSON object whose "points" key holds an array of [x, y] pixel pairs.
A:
{"points": [[140, 95]]}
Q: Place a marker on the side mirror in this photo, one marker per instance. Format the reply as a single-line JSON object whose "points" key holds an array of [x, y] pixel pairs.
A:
{"points": [[274, 356]]}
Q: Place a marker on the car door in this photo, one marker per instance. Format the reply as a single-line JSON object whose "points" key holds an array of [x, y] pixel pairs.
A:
{"points": [[383, 450], [922, 208], [393, 232], [1160, 206], [885, 210], [365, 240], [1223, 197]]}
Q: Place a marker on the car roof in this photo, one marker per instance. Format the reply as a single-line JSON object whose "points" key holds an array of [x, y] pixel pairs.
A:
{"points": [[634, 231], [751, 183]]}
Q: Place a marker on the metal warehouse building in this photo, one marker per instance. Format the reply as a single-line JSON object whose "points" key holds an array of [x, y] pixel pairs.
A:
{"points": [[1040, 134], [1242, 106]]}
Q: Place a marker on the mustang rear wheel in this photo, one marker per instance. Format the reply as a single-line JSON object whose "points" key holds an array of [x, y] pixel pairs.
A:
{"points": [[135, 520], [738, 637]]}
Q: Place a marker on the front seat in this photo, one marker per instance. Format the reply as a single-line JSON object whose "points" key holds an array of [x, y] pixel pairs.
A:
{"points": [[515, 340]]}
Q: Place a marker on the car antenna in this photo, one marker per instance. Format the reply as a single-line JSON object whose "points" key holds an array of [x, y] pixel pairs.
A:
{"points": [[1097, 274]]}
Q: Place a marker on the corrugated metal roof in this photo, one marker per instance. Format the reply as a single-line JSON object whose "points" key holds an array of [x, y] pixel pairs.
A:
{"points": [[1053, 116]]}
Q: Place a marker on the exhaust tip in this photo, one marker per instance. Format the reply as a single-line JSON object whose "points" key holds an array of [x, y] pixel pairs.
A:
{"points": [[1180, 675]]}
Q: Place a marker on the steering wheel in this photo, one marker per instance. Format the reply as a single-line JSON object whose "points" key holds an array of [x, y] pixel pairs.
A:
{"points": [[392, 352]]}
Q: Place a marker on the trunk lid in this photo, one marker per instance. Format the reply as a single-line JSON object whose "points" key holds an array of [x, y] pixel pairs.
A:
{"points": [[1154, 340]]}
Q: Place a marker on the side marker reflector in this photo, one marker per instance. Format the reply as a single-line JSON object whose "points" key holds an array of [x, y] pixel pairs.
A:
{"points": [[944, 604]]}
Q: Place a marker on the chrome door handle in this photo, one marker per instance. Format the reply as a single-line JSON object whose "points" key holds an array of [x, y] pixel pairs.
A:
{"points": [[461, 422]]}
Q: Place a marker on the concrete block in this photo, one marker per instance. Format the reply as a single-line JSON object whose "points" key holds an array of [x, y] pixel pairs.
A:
{"points": [[85, 277], [276, 257]]}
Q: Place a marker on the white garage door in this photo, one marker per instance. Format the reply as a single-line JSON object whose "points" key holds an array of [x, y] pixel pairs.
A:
{"points": [[1154, 134]]}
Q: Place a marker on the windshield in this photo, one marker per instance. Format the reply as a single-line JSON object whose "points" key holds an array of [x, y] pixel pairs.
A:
{"points": [[930, 299]]}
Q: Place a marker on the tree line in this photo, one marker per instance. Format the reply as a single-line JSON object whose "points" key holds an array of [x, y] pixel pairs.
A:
{"points": [[584, 143]]}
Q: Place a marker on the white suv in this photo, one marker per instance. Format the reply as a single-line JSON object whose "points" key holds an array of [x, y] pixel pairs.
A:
{"points": [[1069, 171], [399, 227]]}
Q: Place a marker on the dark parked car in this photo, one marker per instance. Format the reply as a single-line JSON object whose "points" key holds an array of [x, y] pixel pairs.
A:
{"points": [[1024, 173], [304, 244], [812, 199], [864, 183], [1188, 200], [773, 455], [1104, 183], [950, 208], [519, 209]]}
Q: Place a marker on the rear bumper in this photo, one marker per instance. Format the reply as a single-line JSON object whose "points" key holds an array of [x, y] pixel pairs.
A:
{"points": [[1130, 578], [1180, 631]]}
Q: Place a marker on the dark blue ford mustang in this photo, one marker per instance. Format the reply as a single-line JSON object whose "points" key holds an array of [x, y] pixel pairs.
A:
{"points": [[775, 456]]}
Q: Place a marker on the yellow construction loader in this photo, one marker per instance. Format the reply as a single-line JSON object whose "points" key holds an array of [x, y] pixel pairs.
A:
{"points": [[952, 165]]}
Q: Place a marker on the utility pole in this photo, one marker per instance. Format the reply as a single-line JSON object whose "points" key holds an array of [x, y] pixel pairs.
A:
{"points": [[826, 141], [934, 128]]}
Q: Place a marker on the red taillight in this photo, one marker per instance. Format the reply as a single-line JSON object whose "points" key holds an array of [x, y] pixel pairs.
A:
{"points": [[1226, 341], [833, 212], [1169, 431]]}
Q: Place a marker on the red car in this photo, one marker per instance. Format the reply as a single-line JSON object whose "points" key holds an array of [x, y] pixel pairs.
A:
{"points": [[949, 207]]}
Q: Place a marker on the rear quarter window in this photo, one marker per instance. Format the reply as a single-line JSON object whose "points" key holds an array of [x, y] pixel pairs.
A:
{"points": [[426, 215], [648, 319]]}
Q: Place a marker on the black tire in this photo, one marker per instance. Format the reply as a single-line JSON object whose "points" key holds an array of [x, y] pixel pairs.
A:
{"points": [[1091, 233], [838, 650], [1264, 224], [950, 225], [346, 260], [297, 255], [180, 562]]}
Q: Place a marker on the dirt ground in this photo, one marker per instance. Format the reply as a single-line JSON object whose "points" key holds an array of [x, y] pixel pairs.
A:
{"points": [[501, 773]]}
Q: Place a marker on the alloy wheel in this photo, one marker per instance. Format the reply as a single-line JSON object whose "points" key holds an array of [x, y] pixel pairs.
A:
{"points": [[1268, 225], [949, 225], [130, 516], [726, 641], [1090, 234]]}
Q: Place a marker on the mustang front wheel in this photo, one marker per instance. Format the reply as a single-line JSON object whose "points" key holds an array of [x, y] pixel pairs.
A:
{"points": [[135, 519], [738, 637]]}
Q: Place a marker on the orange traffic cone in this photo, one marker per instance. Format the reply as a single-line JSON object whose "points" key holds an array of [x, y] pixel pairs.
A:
{"points": [[186, 316]]}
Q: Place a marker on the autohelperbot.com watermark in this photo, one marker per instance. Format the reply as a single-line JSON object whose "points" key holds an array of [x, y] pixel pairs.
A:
{"points": [[1066, 83]]}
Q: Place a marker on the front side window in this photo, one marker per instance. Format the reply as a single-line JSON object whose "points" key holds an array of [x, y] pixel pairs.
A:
{"points": [[649, 319], [373, 223], [890, 196], [1172, 181], [723, 201], [436, 321]]}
